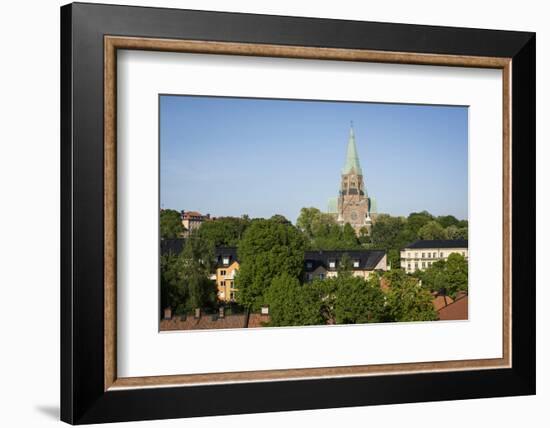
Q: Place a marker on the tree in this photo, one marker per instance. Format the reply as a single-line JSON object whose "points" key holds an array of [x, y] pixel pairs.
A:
{"points": [[416, 220], [358, 301], [449, 275], [291, 303], [268, 248], [406, 300], [324, 291], [197, 264], [170, 224], [224, 231], [447, 220], [456, 268], [388, 232], [349, 238], [324, 232], [345, 267], [454, 232], [172, 292], [432, 230]]}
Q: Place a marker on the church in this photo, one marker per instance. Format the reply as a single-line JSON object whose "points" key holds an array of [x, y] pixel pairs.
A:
{"points": [[353, 205]]}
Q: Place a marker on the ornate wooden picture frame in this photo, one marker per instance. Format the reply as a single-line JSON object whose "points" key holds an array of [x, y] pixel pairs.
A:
{"points": [[91, 390]]}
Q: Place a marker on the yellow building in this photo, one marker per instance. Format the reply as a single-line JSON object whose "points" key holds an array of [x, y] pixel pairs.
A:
{"points": [[227, 266]]}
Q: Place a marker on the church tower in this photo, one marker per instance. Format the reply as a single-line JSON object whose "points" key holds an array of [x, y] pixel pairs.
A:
{"points": [[354, 205]]}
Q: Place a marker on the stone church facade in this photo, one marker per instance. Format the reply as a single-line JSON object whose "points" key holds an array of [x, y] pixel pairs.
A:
{"points": [[353, 204]]}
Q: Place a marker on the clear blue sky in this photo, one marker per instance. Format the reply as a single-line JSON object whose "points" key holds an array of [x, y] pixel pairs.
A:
{"points": [[234, 156]]}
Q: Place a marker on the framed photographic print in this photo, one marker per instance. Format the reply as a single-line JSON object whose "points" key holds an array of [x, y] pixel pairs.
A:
{"points": [[291, 213]]}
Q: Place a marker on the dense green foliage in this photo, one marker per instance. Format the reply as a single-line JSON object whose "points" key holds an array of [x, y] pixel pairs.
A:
{"points": [[224, 231], [268, 248], [185, 282], [406, 300], [291, 303], [393, 233], [324, 233], [271, 257], [170, 224], [358, 300], [450, 275]]}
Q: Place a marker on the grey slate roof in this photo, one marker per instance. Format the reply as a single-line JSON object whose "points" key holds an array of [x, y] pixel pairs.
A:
{"points": [[368, 259], [175, 247], [439, 243]]}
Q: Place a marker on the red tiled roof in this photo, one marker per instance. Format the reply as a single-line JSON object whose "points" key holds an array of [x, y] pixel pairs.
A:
{"points": [[188, 214], [440, 302], [213, 322], [458, 310], [257, 320]]}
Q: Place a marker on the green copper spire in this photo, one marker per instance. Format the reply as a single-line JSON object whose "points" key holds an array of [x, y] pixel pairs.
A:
{"points": [[352, 158]]}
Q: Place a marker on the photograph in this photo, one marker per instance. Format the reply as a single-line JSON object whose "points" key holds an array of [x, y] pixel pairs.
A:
{"points": [[294, 213]]}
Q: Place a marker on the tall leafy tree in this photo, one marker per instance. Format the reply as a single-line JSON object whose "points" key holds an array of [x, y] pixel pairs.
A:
{"points": [[358, 301], [196, 264], [170, 224], [456, 268], [291, 303], [268, 248], [224, 231], [432, 230], [324, 233], [454, 232], [450, 276], [416, 220], [447, 220], [173, 293], [406, 300]]}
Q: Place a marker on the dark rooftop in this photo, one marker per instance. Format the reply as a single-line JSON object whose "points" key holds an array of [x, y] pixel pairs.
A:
{"points": [[368, 259], [175, 247], [439, 243]]}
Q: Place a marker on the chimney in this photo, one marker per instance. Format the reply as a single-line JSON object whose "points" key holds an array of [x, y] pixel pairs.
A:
{"points": [[197, 312], [222, 312], [167, 313]]}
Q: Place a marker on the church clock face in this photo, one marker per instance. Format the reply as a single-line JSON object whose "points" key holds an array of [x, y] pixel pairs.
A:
{"points": [[354, 215]]}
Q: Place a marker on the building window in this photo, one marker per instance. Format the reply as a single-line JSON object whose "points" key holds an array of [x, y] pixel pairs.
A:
{"points": [[321, 276], [222, 283], [423, 255], [441, 255], [408, 266], [415, 255], [222, 273], [231, 284], [232, 296], [463, 254], [225, 260], [429, 255], [332, 264], [435, 255], [416, 265], [308, 276], [356, 263], [309, 265], [423, 264]]}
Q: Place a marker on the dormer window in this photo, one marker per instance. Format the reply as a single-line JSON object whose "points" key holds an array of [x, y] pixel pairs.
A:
{"points": [[309, 265], [332, 264], [225, 260], [356, 263]]}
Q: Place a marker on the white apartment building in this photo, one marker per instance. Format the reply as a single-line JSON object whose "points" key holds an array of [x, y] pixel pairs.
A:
{"points": [[423, 253]]}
